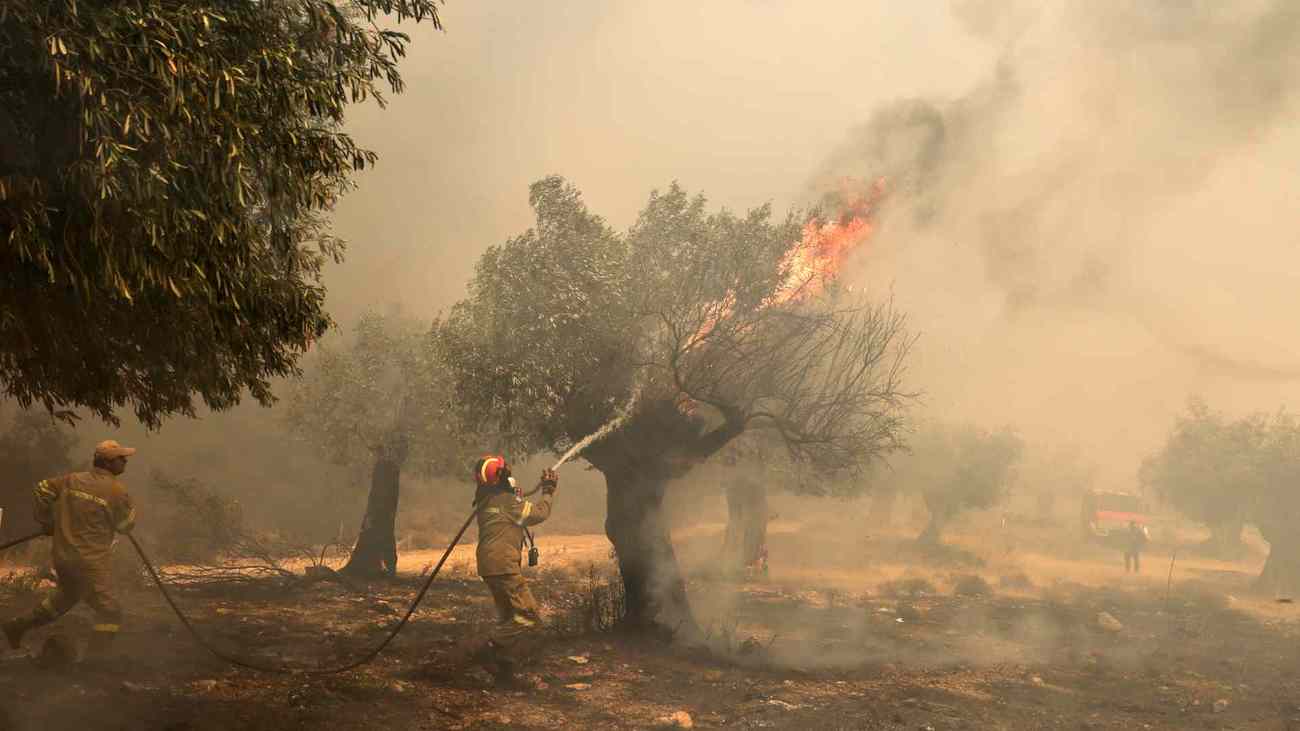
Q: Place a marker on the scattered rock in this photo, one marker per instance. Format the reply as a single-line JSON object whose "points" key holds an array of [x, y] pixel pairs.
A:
{"points": [[1221, 705], [680, 719], [399, 686], [971, 585], [130, 687], [580, 659], [579, 686], [1036, 680], [781, 704], [1108, 622], [206, 686]]}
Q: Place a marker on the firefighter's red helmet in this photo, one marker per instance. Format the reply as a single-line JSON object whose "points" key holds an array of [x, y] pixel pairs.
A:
{"points": [[490, 470]]}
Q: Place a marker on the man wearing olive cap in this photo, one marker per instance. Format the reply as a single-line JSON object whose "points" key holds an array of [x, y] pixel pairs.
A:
{"points": [[83, 511]]}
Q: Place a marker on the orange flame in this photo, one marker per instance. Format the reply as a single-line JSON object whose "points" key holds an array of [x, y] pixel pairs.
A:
{"points": [[816, 260]]}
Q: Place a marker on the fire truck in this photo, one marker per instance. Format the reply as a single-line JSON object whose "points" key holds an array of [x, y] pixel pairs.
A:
{"points": [[1106, 515]]}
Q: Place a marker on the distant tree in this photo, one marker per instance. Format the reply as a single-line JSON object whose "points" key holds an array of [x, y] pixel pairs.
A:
{"points": [[700, 319], [379, 400], [1275, 507], [164, 169], [957, 468], [1208, 469], [33, 446]]}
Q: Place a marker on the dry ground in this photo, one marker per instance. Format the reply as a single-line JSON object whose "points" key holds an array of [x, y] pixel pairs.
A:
{"points": [[843, 634]]}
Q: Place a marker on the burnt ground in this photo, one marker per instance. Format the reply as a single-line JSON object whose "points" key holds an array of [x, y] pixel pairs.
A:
{"points": [[816, 646]]}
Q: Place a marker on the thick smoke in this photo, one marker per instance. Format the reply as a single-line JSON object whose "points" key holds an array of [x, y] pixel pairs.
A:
{"points": [[1102, 226]]}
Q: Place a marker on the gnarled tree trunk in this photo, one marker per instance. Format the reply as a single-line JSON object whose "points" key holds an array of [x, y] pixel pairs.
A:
{"points": [[654, 590], [745, 544], [939, 514], [375, 553], [1281, 573]]}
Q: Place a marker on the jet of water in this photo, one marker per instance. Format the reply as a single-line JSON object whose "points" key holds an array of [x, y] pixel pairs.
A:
{"points": [[619, 417]]}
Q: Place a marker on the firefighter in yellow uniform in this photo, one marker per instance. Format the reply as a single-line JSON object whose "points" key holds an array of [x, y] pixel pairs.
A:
{"points": [[83, 511], [503, 516]]}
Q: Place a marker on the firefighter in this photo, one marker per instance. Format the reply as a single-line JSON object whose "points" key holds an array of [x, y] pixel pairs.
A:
{"points": [[83, 511], [503, 516], [1135, 541]]}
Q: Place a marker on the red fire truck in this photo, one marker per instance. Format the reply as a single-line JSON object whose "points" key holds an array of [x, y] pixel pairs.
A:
{"points": [[1106, 515]]}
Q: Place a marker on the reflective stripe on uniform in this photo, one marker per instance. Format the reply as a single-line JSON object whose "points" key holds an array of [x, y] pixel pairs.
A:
{"points": [[47, 605], [88, 496], [44, 489], [127, 522], [107, 628], [523, 516]]}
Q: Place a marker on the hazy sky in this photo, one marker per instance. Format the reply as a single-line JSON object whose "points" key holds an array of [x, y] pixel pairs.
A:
{"points": [[1099, 217]]}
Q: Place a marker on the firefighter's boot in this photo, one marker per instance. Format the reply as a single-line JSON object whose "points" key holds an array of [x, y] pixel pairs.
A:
{"points": [[14, 630]]}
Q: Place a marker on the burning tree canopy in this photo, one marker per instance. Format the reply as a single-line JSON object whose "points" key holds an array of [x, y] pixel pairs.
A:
{"points": [[714, 323]]}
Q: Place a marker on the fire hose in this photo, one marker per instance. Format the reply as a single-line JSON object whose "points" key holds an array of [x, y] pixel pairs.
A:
{"points": [[283, 670], [392, 634]]}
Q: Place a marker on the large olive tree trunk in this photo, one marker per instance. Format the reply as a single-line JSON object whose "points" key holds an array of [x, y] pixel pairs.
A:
{"points": [[375, 553], [746, 538], [1281, 573], [655, 591], [940, 512]]}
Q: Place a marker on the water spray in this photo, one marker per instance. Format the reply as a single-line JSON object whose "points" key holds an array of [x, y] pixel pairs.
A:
{"points": [[619, 417]]}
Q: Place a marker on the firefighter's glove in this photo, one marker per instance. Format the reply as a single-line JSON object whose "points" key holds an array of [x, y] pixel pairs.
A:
{"points": [[550, 482]]}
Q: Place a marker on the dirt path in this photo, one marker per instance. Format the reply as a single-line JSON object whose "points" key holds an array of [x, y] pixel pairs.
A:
{"points": [[828, 643]]}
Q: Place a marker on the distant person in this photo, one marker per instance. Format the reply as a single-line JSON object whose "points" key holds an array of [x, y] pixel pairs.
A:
{"points": [[1135, 542], [83, 511], [503, 517]]}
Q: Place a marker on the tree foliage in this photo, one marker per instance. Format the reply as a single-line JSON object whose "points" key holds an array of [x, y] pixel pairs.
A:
{"points": [[382, 395], [1210, 468], [955, 468], [1248, 468], [163, 172], [565, 323]]}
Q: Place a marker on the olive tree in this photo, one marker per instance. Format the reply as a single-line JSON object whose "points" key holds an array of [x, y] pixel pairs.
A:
{"points": [[696, 318], [1208, 469], [1275, 505], [164, 170], [379, 401], [955, 468]]}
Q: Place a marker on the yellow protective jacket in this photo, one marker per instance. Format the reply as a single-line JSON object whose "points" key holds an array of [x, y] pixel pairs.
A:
{"points": [[83, 511], [501, 523]]}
